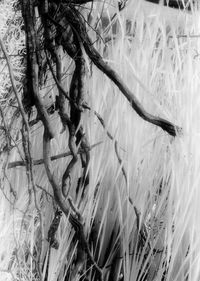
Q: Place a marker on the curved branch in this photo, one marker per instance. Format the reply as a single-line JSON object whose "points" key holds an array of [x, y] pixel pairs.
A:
{"points": [[51, 177], [32, 69], [75, 20]]}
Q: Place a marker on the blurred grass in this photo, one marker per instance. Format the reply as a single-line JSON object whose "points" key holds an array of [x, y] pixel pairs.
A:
{"points": [[158, 58]]}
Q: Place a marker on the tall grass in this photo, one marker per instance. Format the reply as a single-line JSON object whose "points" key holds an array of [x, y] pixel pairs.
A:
{"points": [[156, 51]]}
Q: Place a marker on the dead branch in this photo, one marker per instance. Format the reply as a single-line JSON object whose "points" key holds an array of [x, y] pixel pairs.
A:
{"points": [[32, 86], [14, 164], [76, 98], [53, 229], [85, 106], [63, 25], [13, 85], [52, 177], [77, 223], [26, 144], [76, 21]]}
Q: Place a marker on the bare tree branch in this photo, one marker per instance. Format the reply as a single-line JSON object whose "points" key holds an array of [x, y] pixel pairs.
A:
{"points": [[75, 20], [55, 157], [12, 79], [28, 12]]}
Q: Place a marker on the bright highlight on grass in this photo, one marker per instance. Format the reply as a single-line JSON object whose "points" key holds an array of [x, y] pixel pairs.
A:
{"points": [[141, 212]]}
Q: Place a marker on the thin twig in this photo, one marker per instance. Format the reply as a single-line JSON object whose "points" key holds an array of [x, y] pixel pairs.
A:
{"points": [[53, 158], [26, 140], [5, 161], [120, 162], [51, 177], [85, 106], [61, 202], [43, 189], [77, 223], [13, 84]]}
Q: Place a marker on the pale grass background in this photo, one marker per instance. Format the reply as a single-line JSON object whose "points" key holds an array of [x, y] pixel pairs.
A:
{"points": [[163, 71]]}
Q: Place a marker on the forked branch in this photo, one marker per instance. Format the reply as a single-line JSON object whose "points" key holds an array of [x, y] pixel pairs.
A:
{"points": [[76, 21]]}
